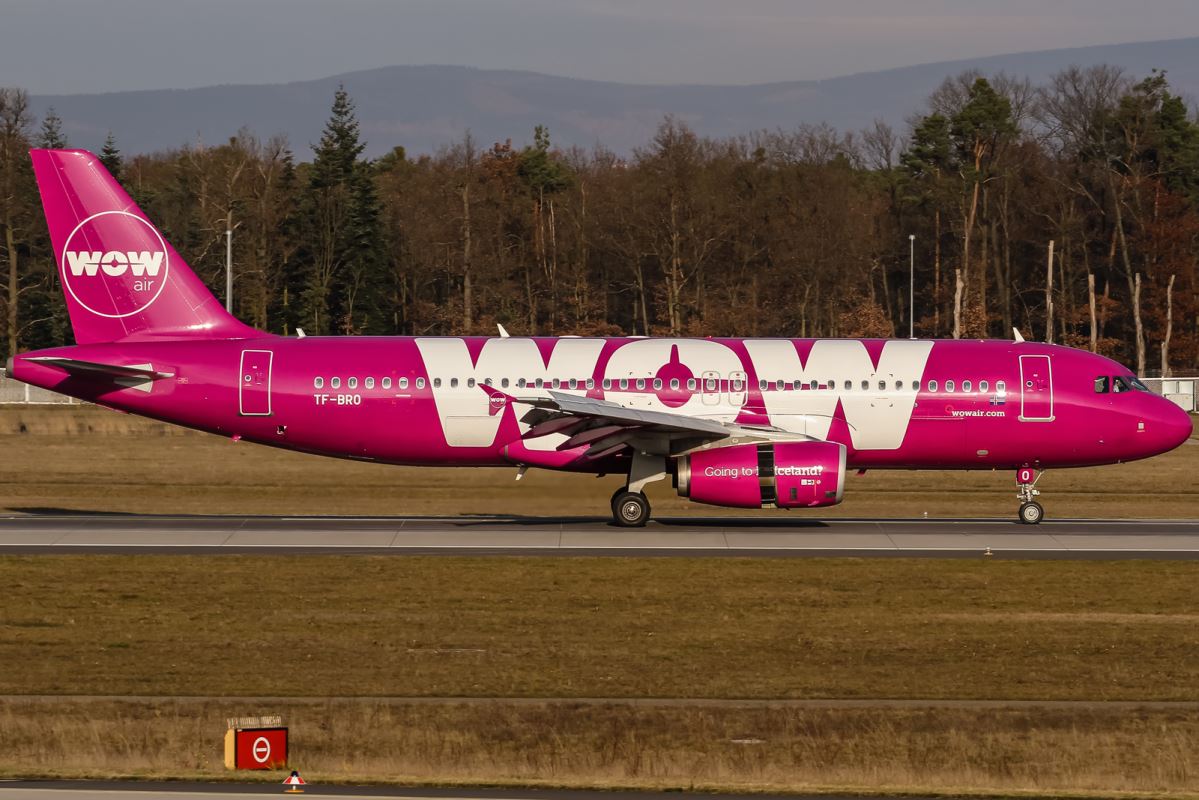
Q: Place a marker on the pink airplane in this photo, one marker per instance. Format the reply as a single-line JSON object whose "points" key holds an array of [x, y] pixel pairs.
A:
{"points": [[744, 423]]}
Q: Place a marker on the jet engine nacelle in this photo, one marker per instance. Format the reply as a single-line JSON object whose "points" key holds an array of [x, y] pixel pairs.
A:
{"points": [[784, 474]]}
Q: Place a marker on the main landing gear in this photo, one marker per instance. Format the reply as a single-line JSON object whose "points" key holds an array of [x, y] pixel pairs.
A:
{"points": [[630, 508], [1031, 511]]}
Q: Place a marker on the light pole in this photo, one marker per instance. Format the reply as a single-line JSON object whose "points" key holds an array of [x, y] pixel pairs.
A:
{"points": [[229, 270], [911, 286]]}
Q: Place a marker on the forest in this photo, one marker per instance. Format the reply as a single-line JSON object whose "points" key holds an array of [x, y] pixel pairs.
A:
{"points": [[1069, 211]]}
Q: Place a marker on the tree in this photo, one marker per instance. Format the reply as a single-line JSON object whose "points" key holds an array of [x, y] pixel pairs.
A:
{"points": [[544, 176], [17, 205], [982, 125], [110, 157], [51, 136], [342, 230]]}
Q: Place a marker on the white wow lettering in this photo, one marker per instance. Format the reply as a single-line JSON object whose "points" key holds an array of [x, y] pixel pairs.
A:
{"points": [[114, 262], [877, 419]]}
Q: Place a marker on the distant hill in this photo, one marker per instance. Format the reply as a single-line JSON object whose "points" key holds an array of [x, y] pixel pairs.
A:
{"points": [[424, 107]]}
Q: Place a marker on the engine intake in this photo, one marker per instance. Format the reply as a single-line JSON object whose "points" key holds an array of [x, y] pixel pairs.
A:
{"points": [[784, 474]]}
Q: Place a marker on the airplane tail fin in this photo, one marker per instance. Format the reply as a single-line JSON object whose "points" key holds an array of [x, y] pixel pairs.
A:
{"points": [[120, 277]]}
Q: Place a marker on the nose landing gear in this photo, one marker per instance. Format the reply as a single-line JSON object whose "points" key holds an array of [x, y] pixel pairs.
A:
{"points": [[1031, 511]]}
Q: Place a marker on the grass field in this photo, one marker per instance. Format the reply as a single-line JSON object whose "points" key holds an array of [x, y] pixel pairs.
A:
{"points": [[328, 635], [91, 459], [290, 627], [592, 627], [1052, 752]]}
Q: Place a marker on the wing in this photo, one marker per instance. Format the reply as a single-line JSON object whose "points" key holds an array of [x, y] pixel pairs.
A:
{"points": [[607, 428]]}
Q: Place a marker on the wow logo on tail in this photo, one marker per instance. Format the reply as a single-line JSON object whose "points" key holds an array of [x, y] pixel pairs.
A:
{"points": [[115, 264]]}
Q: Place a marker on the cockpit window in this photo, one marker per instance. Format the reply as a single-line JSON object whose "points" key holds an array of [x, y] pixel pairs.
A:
{"points": [[1128, 383], [1102, 384]]}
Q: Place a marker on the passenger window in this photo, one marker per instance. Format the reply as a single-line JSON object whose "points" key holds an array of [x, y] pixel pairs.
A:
{"points": [[503, 383], [761, 385], [865, 386], [470, 382], [709, 384], [539, 383], [624, 383], [352, 383], [641, 383], [983, 386], [898, 385], [574, 383], [437, 383], [370, 383], [882, 386], [949, 386], [691, 384], [420, 383], [318, 383], [1000, 387], [674, 384], [607, 384], [591, 383], [779, 385], [848, 385], [738, 385], [488, 381], [932, 386], [453, 383], [657, 383], [1102, 384], [557, 384], [335, 383], [520, 383], [967, 386]]}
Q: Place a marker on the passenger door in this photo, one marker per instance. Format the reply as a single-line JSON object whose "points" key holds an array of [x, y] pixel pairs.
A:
{"points": [[1036, 389]]}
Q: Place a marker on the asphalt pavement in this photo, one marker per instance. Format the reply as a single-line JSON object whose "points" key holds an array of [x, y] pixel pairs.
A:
{"points": [[580, 536]]}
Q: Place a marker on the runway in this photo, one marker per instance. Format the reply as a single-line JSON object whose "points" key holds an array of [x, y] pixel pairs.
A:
{"points": [[710, 536]]}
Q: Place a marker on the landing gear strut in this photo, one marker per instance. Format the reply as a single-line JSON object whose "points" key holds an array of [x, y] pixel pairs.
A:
{"points": [[1031, 511]]}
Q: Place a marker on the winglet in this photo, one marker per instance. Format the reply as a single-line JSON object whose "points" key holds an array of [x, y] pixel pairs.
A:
{"points": [[1016, 335]]}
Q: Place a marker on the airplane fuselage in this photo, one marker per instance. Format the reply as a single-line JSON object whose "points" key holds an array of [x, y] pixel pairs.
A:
{"points": [[420, 401]]}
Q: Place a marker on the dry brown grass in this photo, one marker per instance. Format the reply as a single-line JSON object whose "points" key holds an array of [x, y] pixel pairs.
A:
{"points": [[91, 459], [772, 749], [598, 627]]}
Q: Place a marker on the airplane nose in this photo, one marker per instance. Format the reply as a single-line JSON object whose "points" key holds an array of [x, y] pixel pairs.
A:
{"points": [[1168, 425]]}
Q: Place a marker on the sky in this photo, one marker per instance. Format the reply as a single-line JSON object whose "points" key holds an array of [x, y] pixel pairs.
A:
{"points": [[86, 46]]}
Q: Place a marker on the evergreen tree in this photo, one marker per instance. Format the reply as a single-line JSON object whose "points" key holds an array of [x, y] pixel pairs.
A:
{"points": [[110, 157], [51, 136], [343, 290]]}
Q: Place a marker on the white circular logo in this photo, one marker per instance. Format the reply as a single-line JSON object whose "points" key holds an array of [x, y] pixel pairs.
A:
{"points": [[261, 750], [115, 264]]}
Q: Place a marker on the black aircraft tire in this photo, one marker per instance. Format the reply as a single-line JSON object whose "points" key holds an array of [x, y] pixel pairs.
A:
{"points": [[630, 509], [1031, 513]]}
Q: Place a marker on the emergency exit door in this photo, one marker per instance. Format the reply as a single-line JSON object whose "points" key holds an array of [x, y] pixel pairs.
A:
{"points": [[254, 383], [1036, 389]]}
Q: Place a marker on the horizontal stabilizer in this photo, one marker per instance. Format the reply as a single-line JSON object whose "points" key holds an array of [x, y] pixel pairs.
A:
{"points": [[137, 372]]}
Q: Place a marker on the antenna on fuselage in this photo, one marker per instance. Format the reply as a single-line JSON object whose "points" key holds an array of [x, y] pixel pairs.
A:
{"points": [[503, 333], [1016, 335]]}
